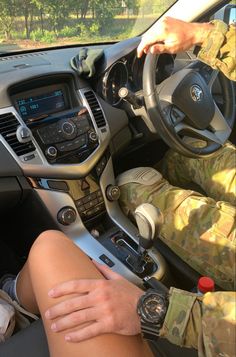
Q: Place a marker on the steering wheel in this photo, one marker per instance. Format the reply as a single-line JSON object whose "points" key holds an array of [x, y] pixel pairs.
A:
{"points": [[181, 109]]}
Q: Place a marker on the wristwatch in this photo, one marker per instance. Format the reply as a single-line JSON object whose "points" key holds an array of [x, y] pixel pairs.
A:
{"points": [[152, 308]]}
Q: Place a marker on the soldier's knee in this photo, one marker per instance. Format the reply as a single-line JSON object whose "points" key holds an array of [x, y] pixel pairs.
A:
{"points": [[140, 175]]}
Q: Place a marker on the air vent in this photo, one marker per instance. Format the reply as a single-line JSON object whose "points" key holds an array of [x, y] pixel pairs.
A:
{"points": [[8, 126], [96, 109], [22, 56]]}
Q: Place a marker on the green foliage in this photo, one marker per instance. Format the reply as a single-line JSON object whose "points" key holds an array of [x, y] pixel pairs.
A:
{"points": [[16, 35], [78, 30], [95, 28], [105, 11], [79, 20], [68, 31], [7, 16], [81, 29], [46, 36], [36, 35]]}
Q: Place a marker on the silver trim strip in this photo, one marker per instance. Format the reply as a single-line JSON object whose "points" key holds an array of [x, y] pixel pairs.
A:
{"points": [[117, 216], [39, 167], [54, 201]]}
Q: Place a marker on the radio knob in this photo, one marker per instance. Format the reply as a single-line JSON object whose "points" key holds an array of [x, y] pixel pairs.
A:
{"points": [[68, 128], [51, 152], [66, 216], [93, 136], [113, 192]]}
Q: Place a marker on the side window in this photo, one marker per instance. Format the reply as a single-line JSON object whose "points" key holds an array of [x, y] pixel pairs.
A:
{"points": [[230, 14], [226, 14]]}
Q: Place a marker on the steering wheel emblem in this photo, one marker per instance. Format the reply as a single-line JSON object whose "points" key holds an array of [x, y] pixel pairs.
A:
{"points": [[196, 93]]}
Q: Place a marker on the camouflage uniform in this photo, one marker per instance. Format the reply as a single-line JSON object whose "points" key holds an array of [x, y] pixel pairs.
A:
{"points": [[206, 323], [219, 49], [201, 230]]}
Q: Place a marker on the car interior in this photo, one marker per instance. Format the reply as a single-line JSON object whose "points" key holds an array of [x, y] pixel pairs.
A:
{"points": [[64, 139]]}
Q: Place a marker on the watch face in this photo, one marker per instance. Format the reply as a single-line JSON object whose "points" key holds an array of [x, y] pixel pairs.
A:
{"points": [[154, 308]]}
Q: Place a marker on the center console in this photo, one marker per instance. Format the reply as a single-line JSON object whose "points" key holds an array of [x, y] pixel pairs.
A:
{"points": [[85, 212]]}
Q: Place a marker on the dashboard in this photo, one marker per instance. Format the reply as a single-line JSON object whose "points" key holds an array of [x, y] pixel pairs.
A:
{"points": [[60, 123]]}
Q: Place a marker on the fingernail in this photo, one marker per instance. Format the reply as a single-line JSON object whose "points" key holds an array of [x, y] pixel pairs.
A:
{"points": [[67, 338], [47, 314], [53, 327], [51, 292]]}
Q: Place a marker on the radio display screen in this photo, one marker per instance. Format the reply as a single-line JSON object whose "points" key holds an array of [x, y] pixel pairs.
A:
{"points": [[45, 103]]}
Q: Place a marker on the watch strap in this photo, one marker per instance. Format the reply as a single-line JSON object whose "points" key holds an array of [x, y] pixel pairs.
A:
{"points": [[150, 332]]}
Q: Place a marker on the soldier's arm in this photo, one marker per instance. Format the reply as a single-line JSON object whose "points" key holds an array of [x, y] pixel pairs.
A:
{"points": [[218, 48], [206, 323], [216, 39]]}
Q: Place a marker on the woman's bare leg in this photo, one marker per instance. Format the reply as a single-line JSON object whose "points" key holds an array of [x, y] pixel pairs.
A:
{"points": [[54, 259]]}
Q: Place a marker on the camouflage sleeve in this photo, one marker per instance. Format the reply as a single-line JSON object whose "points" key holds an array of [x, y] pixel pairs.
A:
{"points": [[205, 323], [218, 49]]}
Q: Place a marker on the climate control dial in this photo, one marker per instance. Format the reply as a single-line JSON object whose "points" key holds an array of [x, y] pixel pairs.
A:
{"points": [[93, 137], [51, 152], [66, 216]]}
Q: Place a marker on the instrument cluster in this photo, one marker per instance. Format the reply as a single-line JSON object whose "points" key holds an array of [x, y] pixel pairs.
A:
{"points": [[128, 72]]}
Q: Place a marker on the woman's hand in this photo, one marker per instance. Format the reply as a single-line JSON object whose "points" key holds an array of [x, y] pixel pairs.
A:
{"points": [[97, 306], [172, 35]]}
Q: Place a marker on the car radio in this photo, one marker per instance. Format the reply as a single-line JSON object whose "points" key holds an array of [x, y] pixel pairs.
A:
{"points": [[68, 137]]}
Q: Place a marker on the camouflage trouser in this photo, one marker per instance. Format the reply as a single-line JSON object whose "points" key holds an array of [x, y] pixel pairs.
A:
{"points": [[199, 229]]}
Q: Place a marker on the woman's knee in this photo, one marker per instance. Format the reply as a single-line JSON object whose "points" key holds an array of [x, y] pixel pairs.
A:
{"points": [[46, 244]]}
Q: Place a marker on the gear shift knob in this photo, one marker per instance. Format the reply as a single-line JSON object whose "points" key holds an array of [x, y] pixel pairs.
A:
{"points": [[149, 220]]}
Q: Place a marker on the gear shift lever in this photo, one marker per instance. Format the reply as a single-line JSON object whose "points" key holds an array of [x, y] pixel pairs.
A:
{"points": [[149, 220]]}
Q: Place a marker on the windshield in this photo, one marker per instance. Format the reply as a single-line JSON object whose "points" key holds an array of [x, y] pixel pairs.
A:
{"points": [[35, 24]]}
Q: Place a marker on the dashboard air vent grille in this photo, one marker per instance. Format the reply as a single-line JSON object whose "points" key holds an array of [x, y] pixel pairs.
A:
{"points": [[95, 108], [21, 56], [8, 127]]}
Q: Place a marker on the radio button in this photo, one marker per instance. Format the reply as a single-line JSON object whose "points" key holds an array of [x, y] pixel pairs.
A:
{"points": [[80, 122], [80, 141], [83, 130], [72, 145], [81, 209], [89, 205], [100, 199], [93, 195], [79, 202], [82, 125]]}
